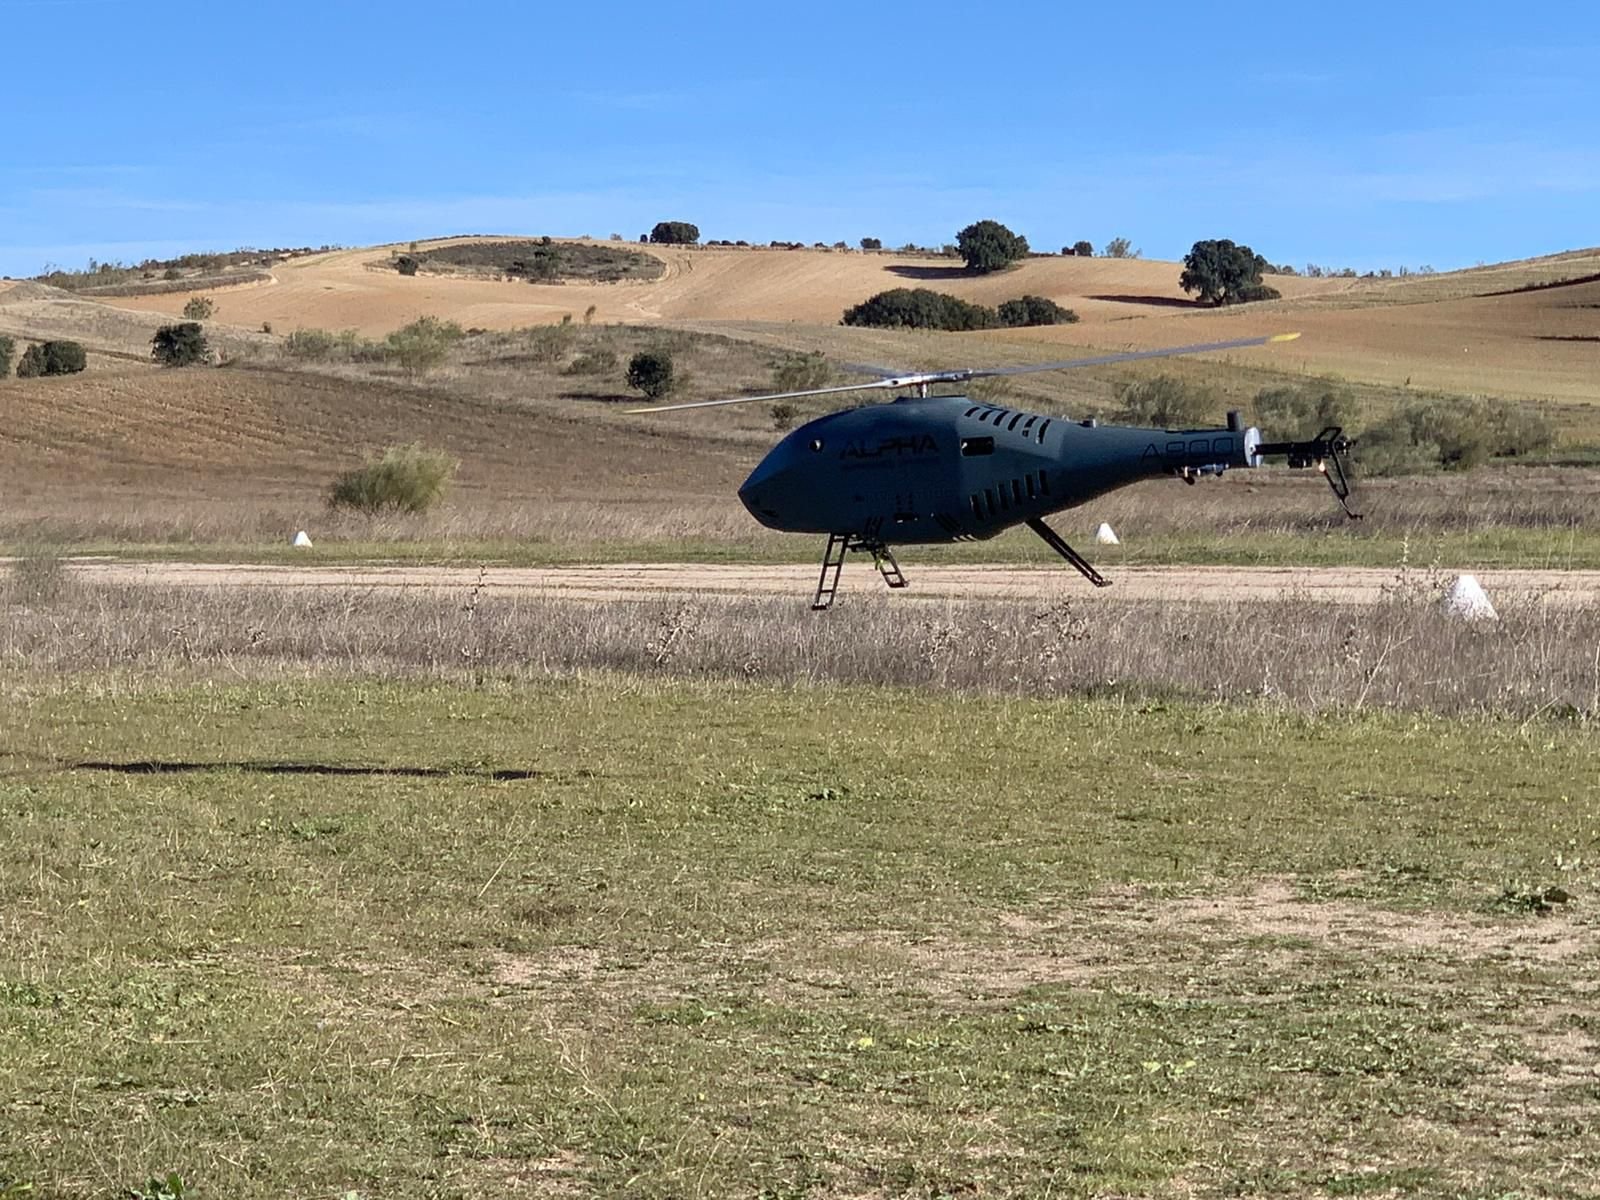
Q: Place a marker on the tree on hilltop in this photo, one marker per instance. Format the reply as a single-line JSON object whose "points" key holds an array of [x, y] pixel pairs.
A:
{"points": [[990, 246], [1223, 272], [675, 233]]}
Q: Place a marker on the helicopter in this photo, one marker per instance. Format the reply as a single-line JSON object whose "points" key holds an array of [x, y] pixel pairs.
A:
{"points": [[927, 469]]}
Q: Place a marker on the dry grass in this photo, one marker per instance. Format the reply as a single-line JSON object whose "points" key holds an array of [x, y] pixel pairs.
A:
{"points": [[1402, 653]]}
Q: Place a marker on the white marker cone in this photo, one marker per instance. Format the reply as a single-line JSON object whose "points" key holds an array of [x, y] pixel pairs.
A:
{"points": [[1105, 536], [1467, 600], [301, 539]]}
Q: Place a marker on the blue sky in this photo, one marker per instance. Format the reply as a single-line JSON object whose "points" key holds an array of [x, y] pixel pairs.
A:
{"points": [[1359, 134]]}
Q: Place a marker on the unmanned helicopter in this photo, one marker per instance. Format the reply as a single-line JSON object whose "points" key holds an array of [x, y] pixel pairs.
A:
{"points": [[947, 468]]}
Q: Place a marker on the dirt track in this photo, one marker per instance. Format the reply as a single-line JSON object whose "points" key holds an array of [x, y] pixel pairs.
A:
{"points": [[1345, 585]]}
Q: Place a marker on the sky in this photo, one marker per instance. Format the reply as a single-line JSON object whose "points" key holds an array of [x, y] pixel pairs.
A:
{"points": [[1360, 134]]}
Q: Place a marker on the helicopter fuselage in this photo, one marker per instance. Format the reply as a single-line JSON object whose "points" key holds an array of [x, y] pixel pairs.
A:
{"points": [[949, 468]]}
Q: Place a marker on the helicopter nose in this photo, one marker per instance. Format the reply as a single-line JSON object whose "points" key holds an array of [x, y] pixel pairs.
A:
{"points": [[761, 492]]}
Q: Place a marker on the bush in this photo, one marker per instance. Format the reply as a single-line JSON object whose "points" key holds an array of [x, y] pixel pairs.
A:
{"points": [[1035, 310], [1165, 402], [1083, 249], [783, 416], [650, 371], [600, 361], [1454, 435], [199, 308], [550, 343], [1252, 292], [403, 479], [423, 344], [1296, 414], [181, 345], [675, 233], [920, 308], [7, 349], [871, 244], [800, 373], [51, 358], [312, 345], [407, 264], [990, 246], [1120, 247]]}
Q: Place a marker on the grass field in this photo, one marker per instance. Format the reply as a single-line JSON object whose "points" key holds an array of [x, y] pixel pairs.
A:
{"points": [[620, 935], [368, 893]]}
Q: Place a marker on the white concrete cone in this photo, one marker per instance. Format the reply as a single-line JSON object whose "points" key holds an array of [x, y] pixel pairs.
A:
{"points": [[1467, 600], [301, 539], [1105, 536]]}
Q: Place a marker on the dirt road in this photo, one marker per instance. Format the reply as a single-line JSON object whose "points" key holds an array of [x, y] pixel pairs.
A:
{"points": [[1345, 585]]}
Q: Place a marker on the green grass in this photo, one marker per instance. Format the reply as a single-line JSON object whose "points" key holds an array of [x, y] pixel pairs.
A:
{"points": [[1500, 546], [621, 936]]}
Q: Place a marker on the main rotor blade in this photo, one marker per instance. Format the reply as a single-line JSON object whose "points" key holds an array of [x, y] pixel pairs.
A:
{"points": [[966, 373], [827, 391], [1130, 356]]}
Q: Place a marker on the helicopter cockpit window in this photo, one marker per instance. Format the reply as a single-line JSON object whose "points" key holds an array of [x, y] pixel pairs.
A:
{"points": [[973, 446]]}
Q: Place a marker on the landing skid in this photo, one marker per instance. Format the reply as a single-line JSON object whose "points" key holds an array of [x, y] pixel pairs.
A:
{"points": [[839, 545], [1055, 542]]}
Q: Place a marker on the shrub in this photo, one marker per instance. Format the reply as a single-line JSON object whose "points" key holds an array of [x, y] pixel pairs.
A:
{"points": [[588, 314], [599, 361], [1453, 434], [989, 246], [783, 416], [919, 308], [266, 327], [799, 372], [1035, 310], [51, 358], [1165, 402], [1519, 430], [31, 364], [1120, 247], [1295, 414], [1252, 292], [1083, 249], [312, 345], [423, 344], [871, 243], [181, 345], [675, 233], [402, 479], [650, 371], [407, 264], [7, 349], [199, 308], [550, 343]]}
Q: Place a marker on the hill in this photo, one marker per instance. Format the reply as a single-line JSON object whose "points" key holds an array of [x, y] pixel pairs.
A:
{"points": [[1466, 332]]}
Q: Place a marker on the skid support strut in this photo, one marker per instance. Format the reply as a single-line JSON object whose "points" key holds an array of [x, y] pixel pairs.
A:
{"points": [[839, 545], [1054, 541]]}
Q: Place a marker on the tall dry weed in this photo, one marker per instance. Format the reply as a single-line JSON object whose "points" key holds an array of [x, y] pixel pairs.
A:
{"points": [[1402, 653]]}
